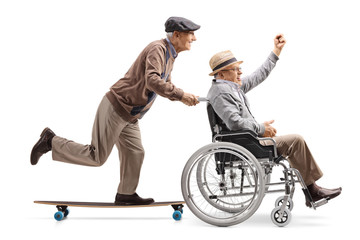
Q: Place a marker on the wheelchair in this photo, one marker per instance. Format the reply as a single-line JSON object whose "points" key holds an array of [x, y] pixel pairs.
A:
{"points": [[224, 183]]}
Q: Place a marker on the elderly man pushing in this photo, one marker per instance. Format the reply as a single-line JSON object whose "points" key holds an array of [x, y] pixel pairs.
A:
{"points": [[116, 121]]}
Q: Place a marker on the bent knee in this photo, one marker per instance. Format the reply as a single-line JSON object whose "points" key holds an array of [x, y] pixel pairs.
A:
{"points": [[137, 153], [298, 139]]}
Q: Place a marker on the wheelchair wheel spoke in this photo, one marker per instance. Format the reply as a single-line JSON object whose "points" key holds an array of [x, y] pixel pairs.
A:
{"points": [[221, 185]]}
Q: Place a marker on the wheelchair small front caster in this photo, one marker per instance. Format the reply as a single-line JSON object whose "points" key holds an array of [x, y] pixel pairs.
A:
{"points": [[279, 201], [280, 220]]}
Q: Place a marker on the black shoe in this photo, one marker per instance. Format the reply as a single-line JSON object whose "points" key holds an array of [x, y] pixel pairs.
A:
{"points": [[134, 199], [42, 146]]}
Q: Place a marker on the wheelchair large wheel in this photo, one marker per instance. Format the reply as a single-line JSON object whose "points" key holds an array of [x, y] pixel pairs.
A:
{"points": [[223, 184], [227, 175]]}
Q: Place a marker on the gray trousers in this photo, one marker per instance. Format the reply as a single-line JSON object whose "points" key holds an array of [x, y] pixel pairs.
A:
{"points": [[295, 148], [109, 129]]}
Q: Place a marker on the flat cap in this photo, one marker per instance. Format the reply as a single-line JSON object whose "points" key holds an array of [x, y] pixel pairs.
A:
{"points": [[180, 24]]}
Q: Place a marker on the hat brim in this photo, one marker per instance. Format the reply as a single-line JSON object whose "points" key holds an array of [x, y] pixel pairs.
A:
{"points": [[218, 70]]}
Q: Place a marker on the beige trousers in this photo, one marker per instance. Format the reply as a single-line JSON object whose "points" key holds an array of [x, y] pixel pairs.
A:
{"points": [[109, 129], [295, 148]]}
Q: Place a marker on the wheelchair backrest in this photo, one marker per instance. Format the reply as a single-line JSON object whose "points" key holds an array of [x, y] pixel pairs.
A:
{"points": [[246, 138], [216, 124]]}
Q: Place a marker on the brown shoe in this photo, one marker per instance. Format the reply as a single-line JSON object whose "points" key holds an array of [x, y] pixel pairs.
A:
{"points": [[318, 187], [134, 199], [42, 146], [317, 193]]}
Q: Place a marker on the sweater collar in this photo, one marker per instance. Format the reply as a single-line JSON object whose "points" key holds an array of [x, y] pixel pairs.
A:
{"points": [[172, 49]]}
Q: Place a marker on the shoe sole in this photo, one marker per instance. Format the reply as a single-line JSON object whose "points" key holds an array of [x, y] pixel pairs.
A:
{"points": [[332, 196], [131, 204]]}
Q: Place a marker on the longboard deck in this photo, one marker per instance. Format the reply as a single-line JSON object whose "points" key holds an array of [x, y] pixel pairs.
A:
{"points": [[106, 204], [63, 211]]}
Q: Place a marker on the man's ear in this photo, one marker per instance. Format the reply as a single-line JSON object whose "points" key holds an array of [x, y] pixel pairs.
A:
{"points": [[176, 34]]}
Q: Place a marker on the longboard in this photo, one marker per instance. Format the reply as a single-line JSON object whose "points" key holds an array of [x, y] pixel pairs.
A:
{"points": [[63, 210]]}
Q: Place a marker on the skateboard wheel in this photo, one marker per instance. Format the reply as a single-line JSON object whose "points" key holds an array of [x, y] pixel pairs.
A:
{"points": [[66, 213], [177, 215], [59, 216]]}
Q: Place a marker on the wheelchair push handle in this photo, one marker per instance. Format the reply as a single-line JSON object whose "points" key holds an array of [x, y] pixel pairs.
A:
{"points": [[202, 99]]}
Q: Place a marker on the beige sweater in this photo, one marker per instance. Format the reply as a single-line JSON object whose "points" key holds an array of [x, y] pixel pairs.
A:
{"points": [[133, 95]]}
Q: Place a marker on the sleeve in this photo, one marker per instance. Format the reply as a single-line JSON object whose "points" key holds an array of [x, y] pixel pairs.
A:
{"points": [[257, 77], [231, 113], [154, 66]]}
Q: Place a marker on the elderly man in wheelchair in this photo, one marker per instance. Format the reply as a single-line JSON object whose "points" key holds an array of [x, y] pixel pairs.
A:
{"points": [[224, 183]]}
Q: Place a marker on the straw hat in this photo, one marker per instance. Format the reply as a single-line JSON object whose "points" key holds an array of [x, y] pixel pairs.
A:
{"points": [[221, 60]]}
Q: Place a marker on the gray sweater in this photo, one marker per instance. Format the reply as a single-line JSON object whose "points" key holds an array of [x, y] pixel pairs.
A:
{"points": [[230, 102]]}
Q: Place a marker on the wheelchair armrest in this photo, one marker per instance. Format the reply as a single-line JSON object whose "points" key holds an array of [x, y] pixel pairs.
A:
{"points": [[244, 132], [267, 138], [235, 133], [248, 139]]}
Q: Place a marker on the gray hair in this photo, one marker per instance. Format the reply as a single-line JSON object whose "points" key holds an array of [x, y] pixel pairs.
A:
{"points": [[169, 34]]}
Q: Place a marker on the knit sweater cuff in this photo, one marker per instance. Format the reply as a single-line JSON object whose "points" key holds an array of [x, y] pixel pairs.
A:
{"points": [[179, 93], [273, 57], [261, 130]]}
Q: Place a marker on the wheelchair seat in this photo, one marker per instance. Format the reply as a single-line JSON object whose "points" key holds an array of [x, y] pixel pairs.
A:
{"points": [[245, 138]]}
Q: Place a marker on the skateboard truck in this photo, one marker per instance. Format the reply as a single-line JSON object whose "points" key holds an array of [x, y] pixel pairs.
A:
{"points": [[61, 208], [178, 207], [178, 211]]}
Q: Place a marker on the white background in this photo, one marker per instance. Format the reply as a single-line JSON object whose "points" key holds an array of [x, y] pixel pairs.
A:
{"points": [[58, 59]]}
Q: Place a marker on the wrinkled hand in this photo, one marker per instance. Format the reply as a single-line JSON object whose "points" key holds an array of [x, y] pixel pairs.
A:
{"points": [[270, 131], [279, 43], [189, 99]]}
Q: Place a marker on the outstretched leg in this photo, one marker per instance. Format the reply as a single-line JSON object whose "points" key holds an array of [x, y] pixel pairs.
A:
{"points": [[295, 148], [106, 130]]}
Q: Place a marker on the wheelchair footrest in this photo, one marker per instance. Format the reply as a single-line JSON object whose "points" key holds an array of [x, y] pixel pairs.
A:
{"points": [[321, 202]]}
